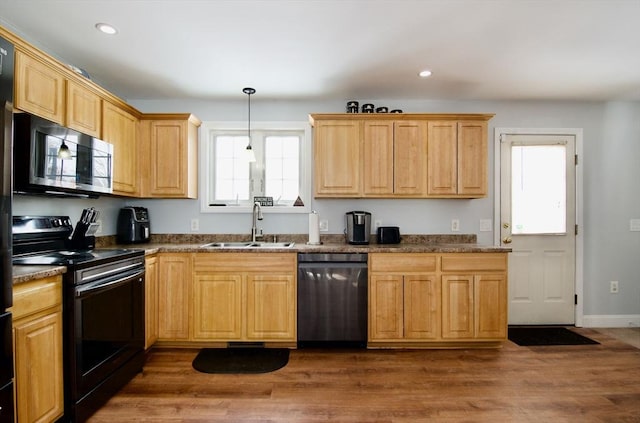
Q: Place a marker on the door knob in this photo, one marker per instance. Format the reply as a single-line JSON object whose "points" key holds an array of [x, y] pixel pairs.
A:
{"points": [[506, 240]]}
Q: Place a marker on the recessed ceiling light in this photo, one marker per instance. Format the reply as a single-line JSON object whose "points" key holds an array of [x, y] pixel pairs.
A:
{"points": [[106, 28], [425, 73]]}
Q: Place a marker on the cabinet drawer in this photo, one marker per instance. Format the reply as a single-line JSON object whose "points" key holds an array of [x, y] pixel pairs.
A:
{"points": [[405, 263], [32, 297], [463, 262], [245, 262]]}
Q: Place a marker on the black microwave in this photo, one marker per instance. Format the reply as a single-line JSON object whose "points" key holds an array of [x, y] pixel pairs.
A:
{"points": [[51, 159]]}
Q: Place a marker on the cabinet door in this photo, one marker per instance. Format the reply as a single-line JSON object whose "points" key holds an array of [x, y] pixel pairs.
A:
{"points": [[84, 110], [119, 128], [410, 158], [378, 158], [386, 297], [442, 158], [168, 158], [457, 306], [337, 158], [217, 306], [490, 315], [472, 158], [38, 368], [151, 301], [271, 307], [421, 307], [39, 88], [174, 294]]}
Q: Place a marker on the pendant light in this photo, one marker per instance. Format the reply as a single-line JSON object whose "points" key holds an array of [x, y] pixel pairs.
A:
{"points": [[64, 152], [251, 157]]}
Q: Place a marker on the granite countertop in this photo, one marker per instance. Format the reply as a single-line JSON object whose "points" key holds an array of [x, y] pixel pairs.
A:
{"points": [[330, 244]]}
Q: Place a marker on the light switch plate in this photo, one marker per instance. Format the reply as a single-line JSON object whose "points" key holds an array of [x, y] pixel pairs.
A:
{"points": [[634, 225]]}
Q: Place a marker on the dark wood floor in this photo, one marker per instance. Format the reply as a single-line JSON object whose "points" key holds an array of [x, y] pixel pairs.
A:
{"points": [[592, 383]]}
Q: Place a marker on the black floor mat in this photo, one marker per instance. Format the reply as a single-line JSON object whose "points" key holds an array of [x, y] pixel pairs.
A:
{"points": [[536, 335], [240, 360]]}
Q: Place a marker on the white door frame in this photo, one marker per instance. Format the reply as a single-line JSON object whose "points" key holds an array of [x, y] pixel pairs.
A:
{"points": [[577, 132]]}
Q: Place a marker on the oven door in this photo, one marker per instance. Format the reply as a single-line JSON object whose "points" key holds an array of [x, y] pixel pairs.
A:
{"points": [[108, 329]]}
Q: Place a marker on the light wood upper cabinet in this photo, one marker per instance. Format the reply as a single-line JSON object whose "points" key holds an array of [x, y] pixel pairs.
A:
{"points": [[83, 110], [39, 88], [174, 296], [120, 129], [400, 155], [395, 161], [169, 144], [409, 158], [150, 301], [37, 332], [337, 158], [457, 158]]}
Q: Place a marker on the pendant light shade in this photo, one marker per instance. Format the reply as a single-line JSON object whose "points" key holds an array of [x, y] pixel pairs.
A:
{"points": [[251, 157], [64, 152]]}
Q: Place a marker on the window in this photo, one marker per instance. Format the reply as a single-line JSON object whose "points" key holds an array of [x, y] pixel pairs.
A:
{"points": [[281, 170]]}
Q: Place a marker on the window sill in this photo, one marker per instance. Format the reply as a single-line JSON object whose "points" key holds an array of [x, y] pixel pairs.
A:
{"points": [[249, 209]]}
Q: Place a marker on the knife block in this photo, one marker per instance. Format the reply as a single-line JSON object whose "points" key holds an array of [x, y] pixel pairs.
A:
{"points": [[83, 236]]}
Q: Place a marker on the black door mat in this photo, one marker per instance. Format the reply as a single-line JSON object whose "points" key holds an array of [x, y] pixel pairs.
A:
{"points": [[240, 360], [547, 335]]}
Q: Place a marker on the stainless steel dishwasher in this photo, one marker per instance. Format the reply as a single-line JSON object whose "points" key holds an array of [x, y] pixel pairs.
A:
{"points": [[332, 300]]}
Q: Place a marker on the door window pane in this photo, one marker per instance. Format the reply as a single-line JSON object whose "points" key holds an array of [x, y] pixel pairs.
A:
{"points": [[538, 189]]}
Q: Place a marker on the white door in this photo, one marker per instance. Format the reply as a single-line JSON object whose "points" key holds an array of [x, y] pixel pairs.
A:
{"points": [[538, 222]]}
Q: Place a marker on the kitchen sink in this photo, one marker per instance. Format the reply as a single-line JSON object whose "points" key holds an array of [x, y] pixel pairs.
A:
{"points": [[252, 245]]}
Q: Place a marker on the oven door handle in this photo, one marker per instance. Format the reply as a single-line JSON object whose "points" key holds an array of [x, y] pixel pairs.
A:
{"points": [[111, 271], [99, 286]]}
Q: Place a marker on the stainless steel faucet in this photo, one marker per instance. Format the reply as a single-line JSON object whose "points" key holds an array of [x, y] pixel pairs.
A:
{"points": [[257, 215]]}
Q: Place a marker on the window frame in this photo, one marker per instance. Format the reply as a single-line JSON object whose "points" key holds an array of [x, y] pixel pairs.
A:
{"points": [[206, 151]]}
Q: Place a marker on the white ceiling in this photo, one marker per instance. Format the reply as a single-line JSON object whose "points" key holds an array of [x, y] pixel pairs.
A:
{"points": [[344, 49]]}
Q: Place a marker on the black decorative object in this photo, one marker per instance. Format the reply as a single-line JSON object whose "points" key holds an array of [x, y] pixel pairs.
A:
{"points": [[396, 111], [367, 108], [352, 106], [382, 109]]}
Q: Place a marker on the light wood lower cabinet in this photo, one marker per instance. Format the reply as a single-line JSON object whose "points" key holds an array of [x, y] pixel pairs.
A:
{"points": [[404, 297], [150, 301], [37, 333], [244, 297], [226, 297], [174, 296], [423, 299]]}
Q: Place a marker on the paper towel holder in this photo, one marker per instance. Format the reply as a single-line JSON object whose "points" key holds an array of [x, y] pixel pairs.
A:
{"points": [[314, 213]]}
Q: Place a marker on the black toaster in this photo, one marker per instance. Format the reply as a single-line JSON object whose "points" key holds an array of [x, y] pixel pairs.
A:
{"points": [[388, 235]]}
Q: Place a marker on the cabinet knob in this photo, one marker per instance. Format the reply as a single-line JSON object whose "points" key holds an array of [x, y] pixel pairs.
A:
{"points": [[506, 240]]}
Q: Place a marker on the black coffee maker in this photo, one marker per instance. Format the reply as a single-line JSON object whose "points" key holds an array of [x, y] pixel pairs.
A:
{"points": [[133, 225], [358, 227]]}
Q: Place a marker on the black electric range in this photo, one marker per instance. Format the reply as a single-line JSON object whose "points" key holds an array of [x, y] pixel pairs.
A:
{"points": [[103, 307]]}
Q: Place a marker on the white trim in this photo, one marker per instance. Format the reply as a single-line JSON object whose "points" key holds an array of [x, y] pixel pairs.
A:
{"points": [[305, 168], [578, 134], [611, 321]]}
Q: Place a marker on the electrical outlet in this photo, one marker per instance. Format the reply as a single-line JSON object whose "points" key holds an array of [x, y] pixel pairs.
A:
{"points": [[485, 225], [377, 224], [613, 287], [195, 224], [455, 225], [634, 225], [324, 225]]}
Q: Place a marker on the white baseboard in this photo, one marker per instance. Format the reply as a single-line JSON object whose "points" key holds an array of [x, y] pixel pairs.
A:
{"points": [[611, 321]]}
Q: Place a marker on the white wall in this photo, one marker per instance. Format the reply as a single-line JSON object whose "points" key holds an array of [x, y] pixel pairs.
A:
{"points": [[611, 159]]}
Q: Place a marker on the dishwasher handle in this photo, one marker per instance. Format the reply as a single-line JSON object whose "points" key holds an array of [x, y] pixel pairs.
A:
{"points": [[332, 258], [332, 265]]}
